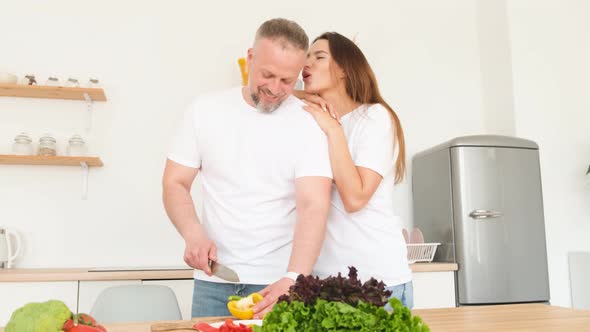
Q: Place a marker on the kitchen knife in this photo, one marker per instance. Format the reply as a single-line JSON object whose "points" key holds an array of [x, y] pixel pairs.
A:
{"points": [[223, 272]]}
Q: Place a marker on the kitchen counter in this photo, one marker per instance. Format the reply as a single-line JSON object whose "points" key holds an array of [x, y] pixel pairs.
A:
{"points": [[147, 273], [517, 317], [75, 274]]}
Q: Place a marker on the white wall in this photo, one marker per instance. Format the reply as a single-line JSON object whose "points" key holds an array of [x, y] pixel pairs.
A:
{"points": [[449, 68], [152, 58], [550, 52], [496, 68]]}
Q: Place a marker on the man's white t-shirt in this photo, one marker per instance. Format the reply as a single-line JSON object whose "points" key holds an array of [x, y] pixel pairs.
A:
{"points": [[370, 239], [248, 163]]}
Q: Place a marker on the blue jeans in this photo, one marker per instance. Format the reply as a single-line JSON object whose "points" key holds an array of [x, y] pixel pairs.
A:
{"points": [[210, 298], [404, 293]]}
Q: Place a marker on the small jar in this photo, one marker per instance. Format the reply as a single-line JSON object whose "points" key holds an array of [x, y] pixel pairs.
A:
{"points": [[72, 83], [47, 145], [29, 80], [76, 147], [52, 81], [93, 83], [22, 145]]}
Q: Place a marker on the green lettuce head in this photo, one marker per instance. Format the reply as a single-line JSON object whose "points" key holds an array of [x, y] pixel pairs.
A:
{"points": [[47, 316]]}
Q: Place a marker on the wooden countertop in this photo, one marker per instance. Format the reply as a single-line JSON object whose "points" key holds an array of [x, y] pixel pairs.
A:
{"points": [[433, 267], [517, 317], [84, 274]]}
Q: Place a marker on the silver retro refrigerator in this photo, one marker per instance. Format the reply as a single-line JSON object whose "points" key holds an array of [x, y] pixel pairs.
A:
{"points": [[480, 197]]}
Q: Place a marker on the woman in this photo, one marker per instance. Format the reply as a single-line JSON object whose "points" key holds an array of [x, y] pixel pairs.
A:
{"points": [[367, 153]]}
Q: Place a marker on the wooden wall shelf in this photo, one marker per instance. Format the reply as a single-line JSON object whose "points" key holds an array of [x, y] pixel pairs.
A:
{"points": [[9, 159], [51, 92]]}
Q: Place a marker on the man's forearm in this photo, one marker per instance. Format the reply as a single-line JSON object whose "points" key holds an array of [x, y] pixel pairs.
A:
{"points": [[308, 238], [180, 208]]}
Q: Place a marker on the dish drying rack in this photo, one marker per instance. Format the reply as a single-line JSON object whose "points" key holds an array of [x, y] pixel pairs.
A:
{"points": [[421, 252], [418, 251]]}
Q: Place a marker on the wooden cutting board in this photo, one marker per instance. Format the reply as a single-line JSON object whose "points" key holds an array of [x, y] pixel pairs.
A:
{"points": [[184, 325]]}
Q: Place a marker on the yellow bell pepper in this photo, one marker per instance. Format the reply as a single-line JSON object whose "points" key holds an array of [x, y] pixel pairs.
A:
{"points": [[242, 308]]}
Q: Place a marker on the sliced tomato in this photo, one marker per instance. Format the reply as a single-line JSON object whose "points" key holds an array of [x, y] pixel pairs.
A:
{"points": [[83, 328], [228, 326], [244, 328], [204, 327], [232, 327]]}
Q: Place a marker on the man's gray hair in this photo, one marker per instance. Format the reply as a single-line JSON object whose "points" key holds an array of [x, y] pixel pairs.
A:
{"points": [[285, 31]]}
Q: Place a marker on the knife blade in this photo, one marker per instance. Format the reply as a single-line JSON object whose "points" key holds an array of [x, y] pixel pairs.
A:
{"points": [[223, 272]]}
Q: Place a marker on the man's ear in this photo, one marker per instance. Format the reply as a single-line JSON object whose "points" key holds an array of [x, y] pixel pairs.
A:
{"points": [[249, 57]]}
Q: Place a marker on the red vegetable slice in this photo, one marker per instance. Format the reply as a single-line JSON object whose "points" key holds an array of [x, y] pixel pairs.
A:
{"points": [[204, 327], [228, 326]]}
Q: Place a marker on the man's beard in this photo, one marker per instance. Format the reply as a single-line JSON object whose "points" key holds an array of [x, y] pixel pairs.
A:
{"points": [[262, 107]]}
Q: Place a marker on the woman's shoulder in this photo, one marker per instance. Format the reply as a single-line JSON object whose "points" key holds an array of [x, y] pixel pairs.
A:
{"points": [[374, 113], [377, 110]]}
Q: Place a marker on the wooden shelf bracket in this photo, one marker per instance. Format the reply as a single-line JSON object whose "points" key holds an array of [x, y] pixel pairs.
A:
{"points": [[85, 173], [89, 104]]}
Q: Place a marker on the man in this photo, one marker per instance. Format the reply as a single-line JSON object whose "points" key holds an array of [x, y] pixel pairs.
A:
{"points": [[266, 179]]}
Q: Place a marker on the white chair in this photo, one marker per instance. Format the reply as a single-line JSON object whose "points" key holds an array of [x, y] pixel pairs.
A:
{"points": [[136, 303]]}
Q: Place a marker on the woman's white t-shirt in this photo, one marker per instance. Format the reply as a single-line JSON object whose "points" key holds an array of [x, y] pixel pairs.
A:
{"points": [[370, 239]]}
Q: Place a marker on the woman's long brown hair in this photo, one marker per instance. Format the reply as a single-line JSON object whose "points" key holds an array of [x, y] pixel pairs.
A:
{"points": [[361, 86]]}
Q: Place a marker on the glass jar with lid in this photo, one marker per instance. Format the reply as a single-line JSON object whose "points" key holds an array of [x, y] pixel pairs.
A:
{"points": [[22, 145], [77, 146], [29, 80], [93, 83], [72, 83], [52, 81], [47, 145]]}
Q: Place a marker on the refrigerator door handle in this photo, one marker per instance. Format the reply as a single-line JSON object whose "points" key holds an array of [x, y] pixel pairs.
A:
{"points": [[485, 214]]}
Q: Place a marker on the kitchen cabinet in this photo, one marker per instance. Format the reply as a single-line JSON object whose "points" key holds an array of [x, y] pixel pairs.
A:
{"points": [[13, 295], [434, 286], [184, 293], [80, 296], [89, 291], [434, 290]]}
